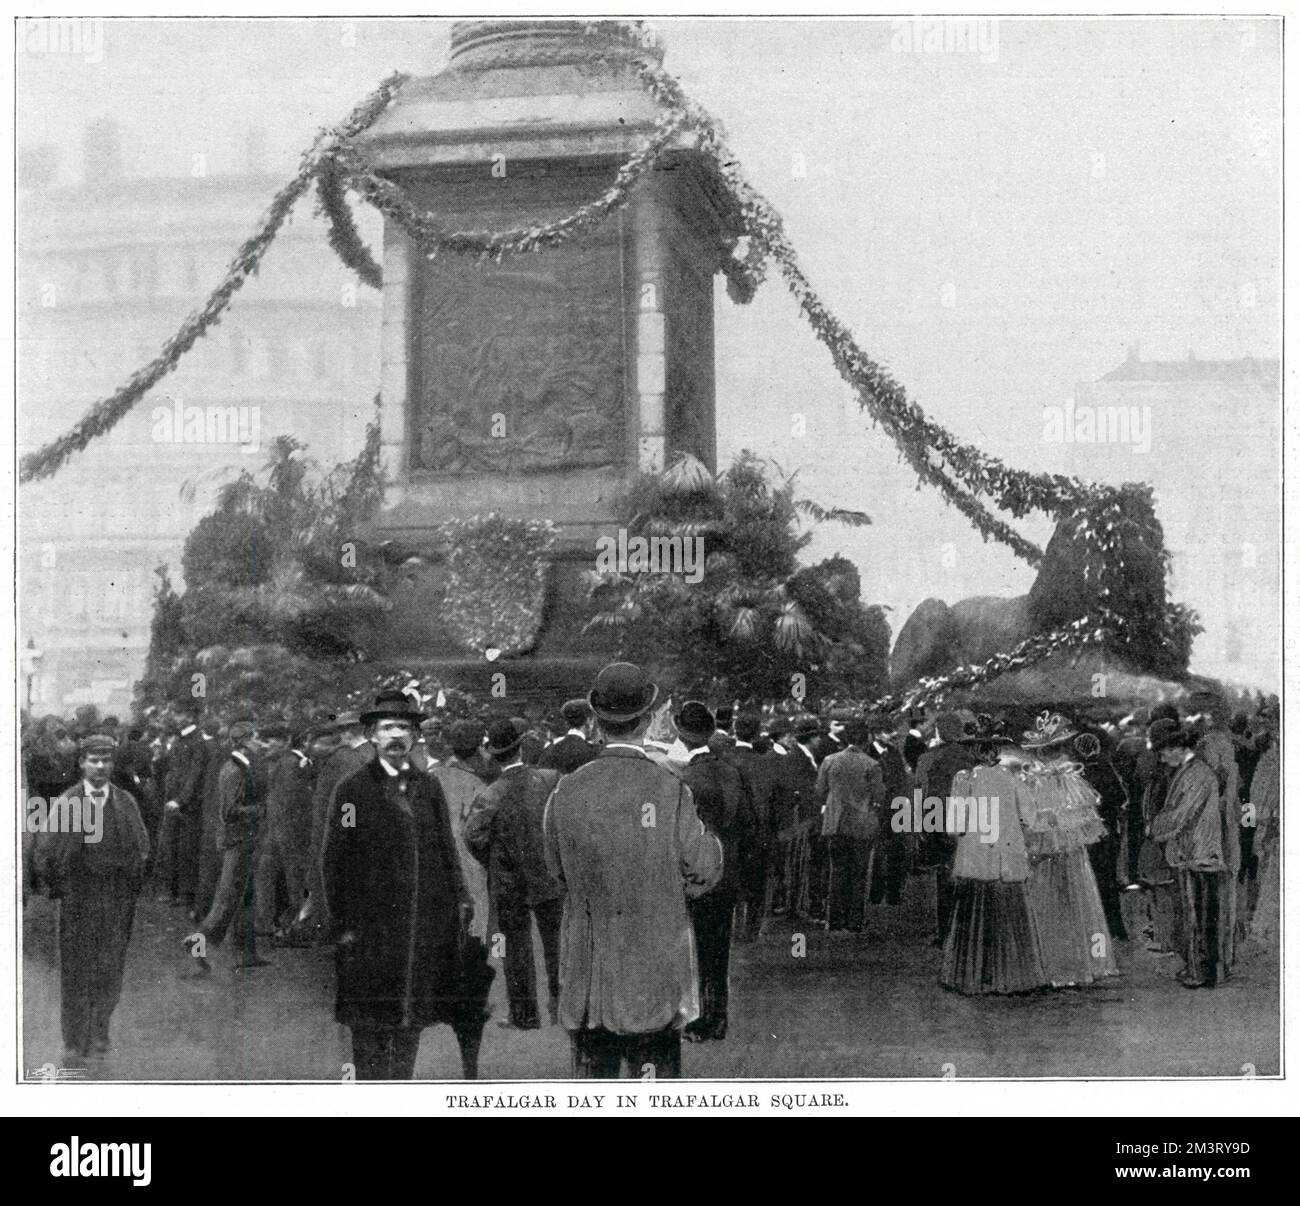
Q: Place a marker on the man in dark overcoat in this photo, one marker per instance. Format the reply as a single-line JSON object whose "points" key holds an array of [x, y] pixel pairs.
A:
{"points": [[90, 855], [393, 885], [764, 773], [504, 832], [725, 806], [241, 792], [177, 865]]}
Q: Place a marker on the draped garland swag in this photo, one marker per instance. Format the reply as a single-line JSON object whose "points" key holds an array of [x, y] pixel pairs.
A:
{"points": [[963, 474]]}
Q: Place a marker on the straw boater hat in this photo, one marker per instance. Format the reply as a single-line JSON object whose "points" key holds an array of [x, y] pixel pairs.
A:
{"points": [[621, 693], [1051, 728]]}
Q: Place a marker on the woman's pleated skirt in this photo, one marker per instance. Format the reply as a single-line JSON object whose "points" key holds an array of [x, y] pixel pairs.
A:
{"points": [[992, 945]]}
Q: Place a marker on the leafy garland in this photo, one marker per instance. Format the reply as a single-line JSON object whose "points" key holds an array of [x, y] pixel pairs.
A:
{"points": [[962, 473], [344, 237], [1076, 635], [104, 415]]}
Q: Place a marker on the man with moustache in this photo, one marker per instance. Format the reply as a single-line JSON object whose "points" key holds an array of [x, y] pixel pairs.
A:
{"points": [[96, 875], [393, 885]]}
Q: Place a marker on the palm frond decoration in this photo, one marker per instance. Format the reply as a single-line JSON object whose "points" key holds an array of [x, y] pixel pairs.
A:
{"points": [[815, 511]]}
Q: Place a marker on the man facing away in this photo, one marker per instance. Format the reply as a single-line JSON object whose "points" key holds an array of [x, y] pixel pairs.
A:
{"points": [[725, 806], [95, 869], [934, 774], [853, 787], [767, 789], [575, 748], [504, 831], [1198, 829], [623, 838]]}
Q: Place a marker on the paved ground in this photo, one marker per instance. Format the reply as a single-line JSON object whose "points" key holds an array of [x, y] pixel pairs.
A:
{"points": [[864, 1005]]}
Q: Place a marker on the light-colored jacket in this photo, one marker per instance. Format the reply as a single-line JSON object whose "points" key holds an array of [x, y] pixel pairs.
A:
{"points": [[852, 785], [1003, 859], [623, 837]]}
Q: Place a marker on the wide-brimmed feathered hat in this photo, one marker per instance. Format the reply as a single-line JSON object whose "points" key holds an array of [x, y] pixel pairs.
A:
{"points": [[1051, 728]]}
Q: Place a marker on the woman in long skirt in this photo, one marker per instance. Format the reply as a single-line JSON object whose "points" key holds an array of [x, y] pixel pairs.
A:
{"points": [[1063, 894], [992, 944]]}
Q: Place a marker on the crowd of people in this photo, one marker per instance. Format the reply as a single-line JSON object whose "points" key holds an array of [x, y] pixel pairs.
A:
{"points": [[641, 851]]}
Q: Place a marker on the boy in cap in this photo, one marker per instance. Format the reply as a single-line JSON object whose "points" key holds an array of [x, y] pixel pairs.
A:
{"points": [[94, 868]]}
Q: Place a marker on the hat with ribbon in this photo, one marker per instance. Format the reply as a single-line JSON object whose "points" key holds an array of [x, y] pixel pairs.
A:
{"points": [[622, 692], [1051, 728]]}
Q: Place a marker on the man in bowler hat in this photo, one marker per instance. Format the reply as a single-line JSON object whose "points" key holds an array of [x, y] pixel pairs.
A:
{"points": [[393, 885], [623, 837]]}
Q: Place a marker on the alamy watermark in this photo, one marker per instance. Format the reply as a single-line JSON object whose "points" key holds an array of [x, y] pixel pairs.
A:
{"points": [[624, 554], [82, 36], [180, 424], [67, 814], [1075, 424], [955, 814], [946, 37]]}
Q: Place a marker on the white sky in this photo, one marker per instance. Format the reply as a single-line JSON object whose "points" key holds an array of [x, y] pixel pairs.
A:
{"points": [[995, 227]]}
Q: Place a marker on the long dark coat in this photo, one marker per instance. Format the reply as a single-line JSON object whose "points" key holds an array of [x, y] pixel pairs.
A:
{"points": [[393, 882]]}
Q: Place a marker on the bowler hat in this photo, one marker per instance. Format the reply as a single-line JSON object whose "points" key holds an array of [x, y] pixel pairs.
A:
{"points": [[348, 719], [392, 705], [694, 722], [806, 727], [504, 736], [575, 713], [622, 692], [1165, 734]]}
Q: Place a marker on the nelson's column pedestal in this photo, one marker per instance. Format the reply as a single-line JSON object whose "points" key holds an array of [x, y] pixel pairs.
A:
{"points": [[537, 387]]}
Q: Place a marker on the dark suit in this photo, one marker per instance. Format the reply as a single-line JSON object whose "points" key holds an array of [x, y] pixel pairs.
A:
{"points": [[768, 790], [934, 774], [178, 838], [889, 852], [725, 805], [504, 832], [800, 850], [241, 792], [97, 884], [1112, 805], [314, 922], [568, 753]]}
